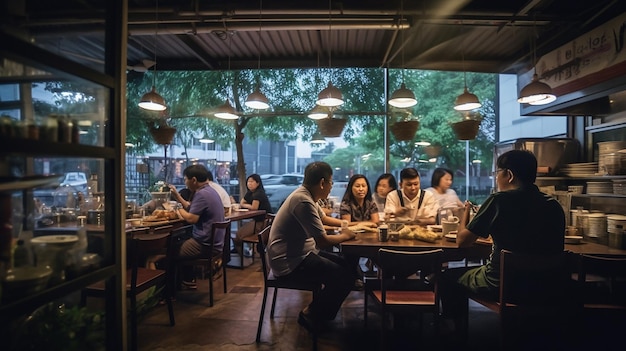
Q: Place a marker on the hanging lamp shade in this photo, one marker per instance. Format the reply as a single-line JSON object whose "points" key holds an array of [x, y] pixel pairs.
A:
{"points": [[466, 101], [536, 93], [152, 101], [402, 97], [330, 96], [206, 140], [318, 112], [226, 111], [318, 139], [257, 100]]}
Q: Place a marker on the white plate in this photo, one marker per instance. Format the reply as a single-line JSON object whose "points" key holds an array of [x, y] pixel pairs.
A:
{"points": [[242, 210], [573, 239], [358, 231], [450, 237], [435, 227]]}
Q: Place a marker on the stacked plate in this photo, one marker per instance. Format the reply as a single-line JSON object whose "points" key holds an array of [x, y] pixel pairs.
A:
{"points": [[584, 169], [599, 187], [619, 186]]}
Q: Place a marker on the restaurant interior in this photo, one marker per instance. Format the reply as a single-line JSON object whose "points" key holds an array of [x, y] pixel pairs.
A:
{"points": [[69, 274]]}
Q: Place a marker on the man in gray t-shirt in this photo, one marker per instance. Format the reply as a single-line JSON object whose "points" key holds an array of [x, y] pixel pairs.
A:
{"points": [[293, 248]]}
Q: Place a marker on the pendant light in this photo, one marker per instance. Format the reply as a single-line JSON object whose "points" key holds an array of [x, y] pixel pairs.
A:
{"points": [[257, 100], [318, 112], [403, 97], [466, 101], [318, 139], [226, 110], [536, 92], [206, 140], [151, 100], [330, 96]]}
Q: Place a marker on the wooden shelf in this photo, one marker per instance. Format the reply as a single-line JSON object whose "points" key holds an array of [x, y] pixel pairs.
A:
{"points": [[40, 148]]}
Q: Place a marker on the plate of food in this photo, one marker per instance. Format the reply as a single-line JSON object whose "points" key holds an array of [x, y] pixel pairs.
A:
{"points": [[358, 230]]}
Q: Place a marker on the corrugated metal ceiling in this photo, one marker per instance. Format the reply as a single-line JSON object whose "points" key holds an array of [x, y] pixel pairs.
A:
{"points": [[473, 35]]}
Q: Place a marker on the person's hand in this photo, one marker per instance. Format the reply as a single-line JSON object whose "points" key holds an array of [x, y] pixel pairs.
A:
{"points": [[348, 233], [173, 190], [402, 211]]}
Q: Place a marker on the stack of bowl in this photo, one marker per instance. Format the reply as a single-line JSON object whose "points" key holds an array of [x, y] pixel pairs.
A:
{"points": [[619, 186], [611, 161], [600, 187], [616, 226], [595, 229]]}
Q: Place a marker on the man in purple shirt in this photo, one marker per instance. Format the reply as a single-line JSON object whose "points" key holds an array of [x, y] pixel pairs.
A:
{"points": [[205, 209]]}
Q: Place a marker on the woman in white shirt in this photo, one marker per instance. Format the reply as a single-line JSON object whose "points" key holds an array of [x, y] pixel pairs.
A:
{"points": [[441, 182]]}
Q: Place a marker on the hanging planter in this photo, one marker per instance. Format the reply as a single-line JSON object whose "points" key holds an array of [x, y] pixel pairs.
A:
{"points": [[404, 130], [331, 127], [466, 129], [163, 134]]}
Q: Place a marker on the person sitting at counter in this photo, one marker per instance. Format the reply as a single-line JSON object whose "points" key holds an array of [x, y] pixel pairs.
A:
{"points": [[204, 210], [410, 202], [518, 217], [224, 197]]}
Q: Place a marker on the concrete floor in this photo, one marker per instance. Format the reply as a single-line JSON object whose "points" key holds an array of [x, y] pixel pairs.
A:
{"points": [[231, 323]]}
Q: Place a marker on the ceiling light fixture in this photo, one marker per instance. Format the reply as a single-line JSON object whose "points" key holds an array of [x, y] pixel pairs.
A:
{"points": [[257, 100], [330, 96], [227, 111], [318, 139], [151, 100], [535, 92], [466, 101], [318, 112], [403, 97], [206, 140]]}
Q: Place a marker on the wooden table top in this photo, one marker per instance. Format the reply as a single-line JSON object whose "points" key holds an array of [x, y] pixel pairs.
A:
{"points": [[244, 214], [367, 245]]}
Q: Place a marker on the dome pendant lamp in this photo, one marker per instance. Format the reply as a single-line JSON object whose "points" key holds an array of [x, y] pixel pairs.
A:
{"points": [[257, 100], [403, 97], [151, 100], [318, 112], [536, 92], [466, 101], [227, 111], [330, 96]]}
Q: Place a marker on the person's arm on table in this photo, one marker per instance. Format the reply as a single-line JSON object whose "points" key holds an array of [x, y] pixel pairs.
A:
{"points": [[188, 217]]}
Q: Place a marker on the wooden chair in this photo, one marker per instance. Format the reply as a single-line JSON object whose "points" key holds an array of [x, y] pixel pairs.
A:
{"points": [[139, 278], [253, 239], [398, 292], [539, 302], [603, 283], [270, 281], [210, 263]]}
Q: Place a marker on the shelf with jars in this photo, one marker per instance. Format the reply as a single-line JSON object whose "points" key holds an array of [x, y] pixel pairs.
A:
{"points": [[60, 124]]}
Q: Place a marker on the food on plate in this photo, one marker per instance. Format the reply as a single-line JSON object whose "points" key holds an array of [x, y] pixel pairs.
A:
{"points": [[416, 232], [362, 227]]}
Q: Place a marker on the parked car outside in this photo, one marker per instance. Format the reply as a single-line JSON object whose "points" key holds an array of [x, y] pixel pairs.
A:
{"points": [[77, 180], [279, 186]]}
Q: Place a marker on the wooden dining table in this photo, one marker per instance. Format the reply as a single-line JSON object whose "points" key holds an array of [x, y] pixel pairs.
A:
{"points": [[367, 245]]}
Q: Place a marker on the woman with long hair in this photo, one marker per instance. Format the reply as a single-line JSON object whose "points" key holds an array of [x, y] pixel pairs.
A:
{"points": [[357, 204], [254, 199], [385, 184]]}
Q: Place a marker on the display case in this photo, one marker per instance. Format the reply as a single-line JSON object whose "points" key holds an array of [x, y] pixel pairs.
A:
{"points": [[61, 123]]}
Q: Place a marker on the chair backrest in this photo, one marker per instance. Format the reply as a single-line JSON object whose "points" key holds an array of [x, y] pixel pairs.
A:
{"points": [[142, 246], [264, 236], [225, 227], [538, 281], [612, 273], [396, 266]]}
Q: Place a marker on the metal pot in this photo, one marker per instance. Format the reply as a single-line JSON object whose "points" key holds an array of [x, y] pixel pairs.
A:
{"points": [[95, 217]]}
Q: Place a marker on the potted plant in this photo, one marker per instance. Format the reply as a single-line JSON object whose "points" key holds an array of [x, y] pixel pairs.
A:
{"points": [[161, 131], [405, 126], [331, 127], [467, 127]]}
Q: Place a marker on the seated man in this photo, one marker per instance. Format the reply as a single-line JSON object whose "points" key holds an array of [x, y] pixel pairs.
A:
{"points": [[518, 217], [410, 203], [205, 209], [293, 247]]}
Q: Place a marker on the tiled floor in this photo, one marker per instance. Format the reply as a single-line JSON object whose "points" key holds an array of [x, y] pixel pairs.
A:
{"points": [[231, 323]]}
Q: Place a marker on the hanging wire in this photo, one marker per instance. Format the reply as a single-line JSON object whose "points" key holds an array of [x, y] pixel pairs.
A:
{"points": [[330, 44], [402, 36], [156, 40], [258, 43]]}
